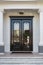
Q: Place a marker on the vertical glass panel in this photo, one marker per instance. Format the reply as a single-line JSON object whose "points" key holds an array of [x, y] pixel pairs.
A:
{"points": [[26, 34], [16, 26], [16, 32], [26, 26]]}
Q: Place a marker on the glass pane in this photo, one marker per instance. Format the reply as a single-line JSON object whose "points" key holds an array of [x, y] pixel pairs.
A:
{"points": [[16, 32], [26, 34], [16, 26], [26, 26]]}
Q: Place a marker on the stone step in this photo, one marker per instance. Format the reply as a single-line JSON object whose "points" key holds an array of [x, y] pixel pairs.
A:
{"points": [[21, 60]]}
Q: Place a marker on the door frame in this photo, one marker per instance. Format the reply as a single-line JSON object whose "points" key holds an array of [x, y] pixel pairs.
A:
{"points": [[22, 17]]}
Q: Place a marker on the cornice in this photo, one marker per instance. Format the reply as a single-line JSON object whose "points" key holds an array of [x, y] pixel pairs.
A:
{"points": [[16, 0]]}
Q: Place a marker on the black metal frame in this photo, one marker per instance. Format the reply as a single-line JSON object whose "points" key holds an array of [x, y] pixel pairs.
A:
{"points": [[22, 17]]}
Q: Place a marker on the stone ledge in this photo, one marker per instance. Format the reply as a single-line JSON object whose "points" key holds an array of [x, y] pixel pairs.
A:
{"points": [[21, 61], [18, 0]]}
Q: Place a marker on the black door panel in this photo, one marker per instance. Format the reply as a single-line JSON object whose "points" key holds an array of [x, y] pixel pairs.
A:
{"points": [[21, 34]]}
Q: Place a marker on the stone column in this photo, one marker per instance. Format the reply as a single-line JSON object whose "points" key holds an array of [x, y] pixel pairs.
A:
{"points": [[41, 32], [1, 32]]}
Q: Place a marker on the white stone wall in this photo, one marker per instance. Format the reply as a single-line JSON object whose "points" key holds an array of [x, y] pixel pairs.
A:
{"points": [[36, 27]]}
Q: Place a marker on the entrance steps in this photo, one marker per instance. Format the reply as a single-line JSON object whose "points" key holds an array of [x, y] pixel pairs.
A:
{"points": [[21, 60]]}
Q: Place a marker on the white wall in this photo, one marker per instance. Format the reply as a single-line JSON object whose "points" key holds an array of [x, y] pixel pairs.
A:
{"points": [[6, 33], [36, 33], [7, 28]]}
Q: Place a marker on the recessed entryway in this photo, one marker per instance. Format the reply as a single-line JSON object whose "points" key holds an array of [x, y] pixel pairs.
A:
{"points": [[28, 16], [21, 34]]}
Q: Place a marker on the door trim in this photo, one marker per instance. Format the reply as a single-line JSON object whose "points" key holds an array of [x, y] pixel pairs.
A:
{"points": [[22, 17]]}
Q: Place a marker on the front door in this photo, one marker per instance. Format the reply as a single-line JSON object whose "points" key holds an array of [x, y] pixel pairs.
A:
{"points": [[21, 34]]}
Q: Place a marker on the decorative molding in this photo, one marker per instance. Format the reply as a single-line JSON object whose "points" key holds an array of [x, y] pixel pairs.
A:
{"points": [[2, 10], [18, 0], [2, 53], [41, 43], [40, 53], [40, 10], [1, 43], [23, 0]]}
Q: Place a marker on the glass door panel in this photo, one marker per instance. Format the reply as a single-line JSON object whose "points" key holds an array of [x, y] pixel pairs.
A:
{"points": [[26, 35], [21, 35], [16, 38], [16, 32]]}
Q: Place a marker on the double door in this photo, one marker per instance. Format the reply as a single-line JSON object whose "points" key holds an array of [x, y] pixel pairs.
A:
{"points": [[21, 35]]}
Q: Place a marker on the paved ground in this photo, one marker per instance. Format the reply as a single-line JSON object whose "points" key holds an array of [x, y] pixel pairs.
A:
{"points": [[22, 55]]}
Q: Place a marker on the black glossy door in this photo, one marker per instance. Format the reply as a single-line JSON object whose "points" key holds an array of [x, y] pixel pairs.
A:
{"points": [[21, 35]]}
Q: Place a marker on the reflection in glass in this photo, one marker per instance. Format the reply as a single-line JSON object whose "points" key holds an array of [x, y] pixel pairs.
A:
{"points": [[26, 34], [26, 26], [16, 32], [27, 39]]}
